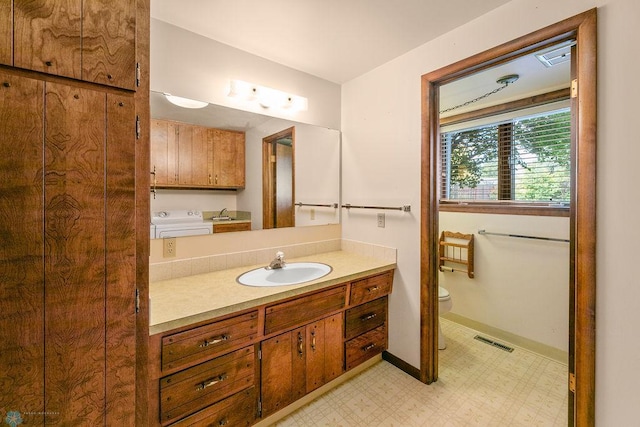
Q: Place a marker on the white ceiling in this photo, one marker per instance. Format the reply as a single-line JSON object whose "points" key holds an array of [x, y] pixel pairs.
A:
{"points": [[336, 40]]}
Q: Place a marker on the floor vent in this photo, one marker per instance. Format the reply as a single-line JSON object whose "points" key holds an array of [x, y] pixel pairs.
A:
{"points": [[493, 343]]}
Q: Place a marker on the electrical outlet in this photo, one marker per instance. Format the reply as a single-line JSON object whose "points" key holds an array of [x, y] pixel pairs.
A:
{"points": [[169, 247], [312, 214], [381, 220]]}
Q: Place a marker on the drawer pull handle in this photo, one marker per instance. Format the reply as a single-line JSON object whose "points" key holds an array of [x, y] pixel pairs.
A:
{"points": [[211, 382], [215, 340], [300, 346], [223, 422], [372, 289], [313, 340], [368, 347], [368, 317]]}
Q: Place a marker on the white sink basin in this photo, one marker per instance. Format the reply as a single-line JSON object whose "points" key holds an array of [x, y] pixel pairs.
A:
{"points": [[291, 274]]}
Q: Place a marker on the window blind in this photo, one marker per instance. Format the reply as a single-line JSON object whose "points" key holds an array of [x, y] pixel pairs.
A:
{"points": [[524, 159]]}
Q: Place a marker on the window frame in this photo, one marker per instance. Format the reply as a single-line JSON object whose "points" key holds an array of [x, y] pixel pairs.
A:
{"points": [[506, 207]]}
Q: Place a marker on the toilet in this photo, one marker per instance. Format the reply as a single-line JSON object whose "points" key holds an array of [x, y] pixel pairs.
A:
{"points": [[444, 306]]}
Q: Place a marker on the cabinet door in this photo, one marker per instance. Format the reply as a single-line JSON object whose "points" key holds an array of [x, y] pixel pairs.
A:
{"points": [[6, 32], [48, 36], [108, 42], [192, 155], [324, 351], [227, 158], [121, 260], [22, 249], [283, 370], [75, 259], [164, 152]]}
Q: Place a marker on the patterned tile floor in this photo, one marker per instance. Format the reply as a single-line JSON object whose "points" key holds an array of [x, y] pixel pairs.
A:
{"points": [[478, 385]]}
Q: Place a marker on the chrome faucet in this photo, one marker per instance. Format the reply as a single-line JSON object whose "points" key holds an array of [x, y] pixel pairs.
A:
{"points": [[278, 261], [221, 212]]}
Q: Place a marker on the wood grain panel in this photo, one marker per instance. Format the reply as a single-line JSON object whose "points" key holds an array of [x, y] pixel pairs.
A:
{"points": [[47, 36], [75, 255], [22, 249], [108, 42], [315, 355], [228, 158], [199, 157], [121, 257], [6, 32], [277, 370]]}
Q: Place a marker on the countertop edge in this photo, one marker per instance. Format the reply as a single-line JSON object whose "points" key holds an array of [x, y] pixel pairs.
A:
{"points": [[254, 303]]}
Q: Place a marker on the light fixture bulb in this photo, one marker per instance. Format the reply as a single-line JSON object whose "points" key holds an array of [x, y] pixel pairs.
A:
{"points": [[185, 102]]}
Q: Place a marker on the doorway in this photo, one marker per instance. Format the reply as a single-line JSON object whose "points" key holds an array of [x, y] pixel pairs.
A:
{"points": [[582, 28], [278, 179]]}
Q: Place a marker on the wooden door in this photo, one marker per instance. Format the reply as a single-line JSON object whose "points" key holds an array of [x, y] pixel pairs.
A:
{"points": [[324, 358], [75, 255], [120, 261], [164, 152], [108, 42], [6, 32], [192, 155], [48, 36], [22, 251], [283, 370], [227, 158]]}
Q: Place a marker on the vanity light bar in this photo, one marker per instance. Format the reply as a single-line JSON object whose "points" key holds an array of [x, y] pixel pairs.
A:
{"points": [[267, 97]]}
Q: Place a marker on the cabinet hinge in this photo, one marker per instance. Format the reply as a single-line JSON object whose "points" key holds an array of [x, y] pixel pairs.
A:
{"points": [[137, 300], [572, 382], [137, 127], [574, 88], [137, 74], [259, 354], [259, 407]]}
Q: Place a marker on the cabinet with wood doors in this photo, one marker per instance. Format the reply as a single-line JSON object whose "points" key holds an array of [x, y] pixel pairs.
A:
{"points": [[227, 227], [191, 156], [245, 366], [94, 41], [68, 262], [297, 362]]}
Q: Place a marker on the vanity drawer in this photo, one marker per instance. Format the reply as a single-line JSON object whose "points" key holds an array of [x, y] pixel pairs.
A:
{"points": [[208, 341], [237, 410], [371, 288], [280, 317], [233, 226], [365, 317], [365, 346], [188, 391]]}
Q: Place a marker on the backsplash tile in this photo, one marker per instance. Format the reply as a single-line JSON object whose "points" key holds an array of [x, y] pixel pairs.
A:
{"points": [[200, 265]]}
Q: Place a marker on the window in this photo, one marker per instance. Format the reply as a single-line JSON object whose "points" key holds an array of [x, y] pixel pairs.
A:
{"points": [[524, 160]]}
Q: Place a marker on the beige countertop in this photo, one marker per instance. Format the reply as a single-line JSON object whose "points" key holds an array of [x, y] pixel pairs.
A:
{"points": [[178, 302]]}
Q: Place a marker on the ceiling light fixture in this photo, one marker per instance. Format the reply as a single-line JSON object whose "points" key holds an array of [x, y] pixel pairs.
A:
{"points": [[185, 102], [266, 97]]}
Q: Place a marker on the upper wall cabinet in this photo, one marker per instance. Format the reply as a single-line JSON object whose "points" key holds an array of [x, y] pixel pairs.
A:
{"points": [[192, 156], [90, 40]]}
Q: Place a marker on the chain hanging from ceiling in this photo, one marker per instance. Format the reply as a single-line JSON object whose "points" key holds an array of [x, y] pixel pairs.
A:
{"points": [[504, 81]]}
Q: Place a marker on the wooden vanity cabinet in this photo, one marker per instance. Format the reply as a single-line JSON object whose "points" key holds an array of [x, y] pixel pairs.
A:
{"points": [[240, 368], [226, 227], [191, 156], [6, 32]]}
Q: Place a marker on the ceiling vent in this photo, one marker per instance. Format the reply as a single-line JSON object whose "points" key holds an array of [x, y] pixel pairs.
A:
{"points": [[556, 55]]}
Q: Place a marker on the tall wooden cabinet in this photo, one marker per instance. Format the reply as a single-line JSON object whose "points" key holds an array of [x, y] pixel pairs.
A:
{"points": [[68, 262]]}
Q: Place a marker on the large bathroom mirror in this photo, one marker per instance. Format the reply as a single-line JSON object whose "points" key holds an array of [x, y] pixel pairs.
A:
{"points": [[316, 194]]}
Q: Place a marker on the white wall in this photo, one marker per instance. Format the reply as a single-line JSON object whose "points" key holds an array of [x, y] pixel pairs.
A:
{"points": [[317, 172], [192, 66], [520, 286], [381, 164]]}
